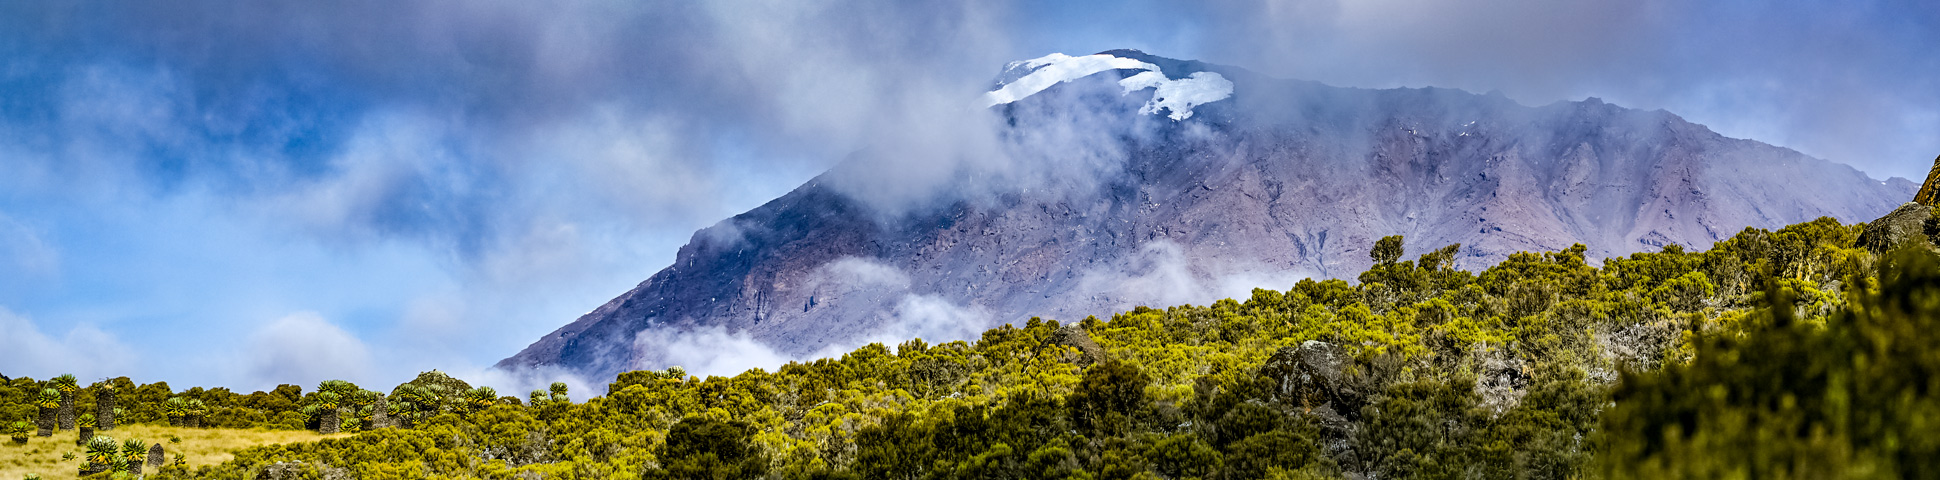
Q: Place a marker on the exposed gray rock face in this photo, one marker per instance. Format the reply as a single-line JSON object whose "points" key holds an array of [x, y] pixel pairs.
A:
{"points": [[1074, 336], [1314, 375], [1282, 181], [1904, 224], [297, 469]]}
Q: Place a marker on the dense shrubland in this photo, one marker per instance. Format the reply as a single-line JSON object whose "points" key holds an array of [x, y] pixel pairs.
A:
{"points": [[1786, 354]]}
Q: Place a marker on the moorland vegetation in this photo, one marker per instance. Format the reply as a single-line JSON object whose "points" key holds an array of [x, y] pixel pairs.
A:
{"points": [[1793, 353]]}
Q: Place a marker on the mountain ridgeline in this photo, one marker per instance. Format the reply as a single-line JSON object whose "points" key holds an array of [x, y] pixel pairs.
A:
{"points": [[1257, 185]]}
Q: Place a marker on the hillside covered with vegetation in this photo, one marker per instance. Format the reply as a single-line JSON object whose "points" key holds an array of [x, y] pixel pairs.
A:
{"points": [[1786, 354]]}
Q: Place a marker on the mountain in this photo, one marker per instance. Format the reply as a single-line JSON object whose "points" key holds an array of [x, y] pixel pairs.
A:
{"points": [[1203, 181]]}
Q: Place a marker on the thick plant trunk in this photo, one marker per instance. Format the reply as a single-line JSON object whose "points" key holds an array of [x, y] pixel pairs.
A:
{"points": [[66, 414], [155, 455], [45, 422], [380, 416], [104, 409], [86, 433], [93, 468], [134, 468], [329, 423]]}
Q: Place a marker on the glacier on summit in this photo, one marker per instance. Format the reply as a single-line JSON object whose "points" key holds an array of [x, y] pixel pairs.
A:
{"points": [[1174, 96], [1178, 96]]}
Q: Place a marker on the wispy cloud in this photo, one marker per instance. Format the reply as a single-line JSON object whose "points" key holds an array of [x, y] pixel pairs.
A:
{"points": [[1846, 81], [304, 349], [83, 350], [714, 350]]}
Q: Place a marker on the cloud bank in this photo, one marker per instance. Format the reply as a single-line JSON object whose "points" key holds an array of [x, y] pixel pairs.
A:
{"points": [[717, 351]]}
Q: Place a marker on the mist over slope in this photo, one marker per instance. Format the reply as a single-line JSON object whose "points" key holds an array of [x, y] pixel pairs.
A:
{"points": [[1090, 196]]}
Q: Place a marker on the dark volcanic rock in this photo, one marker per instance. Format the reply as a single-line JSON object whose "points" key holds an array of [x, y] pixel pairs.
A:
{"points": [[1074, 336], [1904, 224], [1284, 180], [1314, 375]]}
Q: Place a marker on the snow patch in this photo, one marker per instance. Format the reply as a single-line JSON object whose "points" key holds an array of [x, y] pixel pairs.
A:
{"points": [[1058, 68], [1174, 96], [1178, 96]]}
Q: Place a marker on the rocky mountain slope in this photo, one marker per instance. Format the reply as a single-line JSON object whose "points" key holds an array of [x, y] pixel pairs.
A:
{"points": [[1211, 189]]}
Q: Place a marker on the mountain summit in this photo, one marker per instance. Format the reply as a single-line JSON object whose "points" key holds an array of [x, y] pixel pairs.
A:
{"points": [[1206, 181]]}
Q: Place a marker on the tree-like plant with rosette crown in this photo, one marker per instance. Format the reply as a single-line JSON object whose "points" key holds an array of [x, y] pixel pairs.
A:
{"points": [[195, 412], [133, 454], [479, 398], [18, 431], [49, 402], [102, 453], [105, 399], [69, 388], [176, 409], [86, 428]]}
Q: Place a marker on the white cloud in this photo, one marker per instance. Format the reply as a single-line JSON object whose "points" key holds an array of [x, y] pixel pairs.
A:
{"points": [[521, 382], [397, 170], [857, 272], [710, 350], [1164, 273], [933, 318], [1159, 274], [641, 167], [304, 349], [714, 350], [85, 351]]}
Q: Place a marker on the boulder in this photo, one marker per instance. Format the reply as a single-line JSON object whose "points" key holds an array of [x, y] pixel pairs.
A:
{"points": [[1076, 337], [1315, 375], [1501, 380], [1904, 224], [294, 470]]}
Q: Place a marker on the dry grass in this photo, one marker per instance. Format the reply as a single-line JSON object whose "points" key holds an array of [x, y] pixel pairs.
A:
{"points": [[201, 446]]}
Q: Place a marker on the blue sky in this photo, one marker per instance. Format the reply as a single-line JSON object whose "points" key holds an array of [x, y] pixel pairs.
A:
{"points": [[246, 194]]}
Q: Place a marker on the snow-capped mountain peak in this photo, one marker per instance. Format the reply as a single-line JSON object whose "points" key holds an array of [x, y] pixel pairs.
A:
{"points": [[1297, 181], [1027, 77]]}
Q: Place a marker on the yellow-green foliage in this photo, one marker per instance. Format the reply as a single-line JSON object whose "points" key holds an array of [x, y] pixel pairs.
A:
{"points": [[1852, 395], [1440, 373]]}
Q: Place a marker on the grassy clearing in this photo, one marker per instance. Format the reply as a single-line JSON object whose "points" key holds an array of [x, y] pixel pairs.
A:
{"points": [[201, 446]]}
